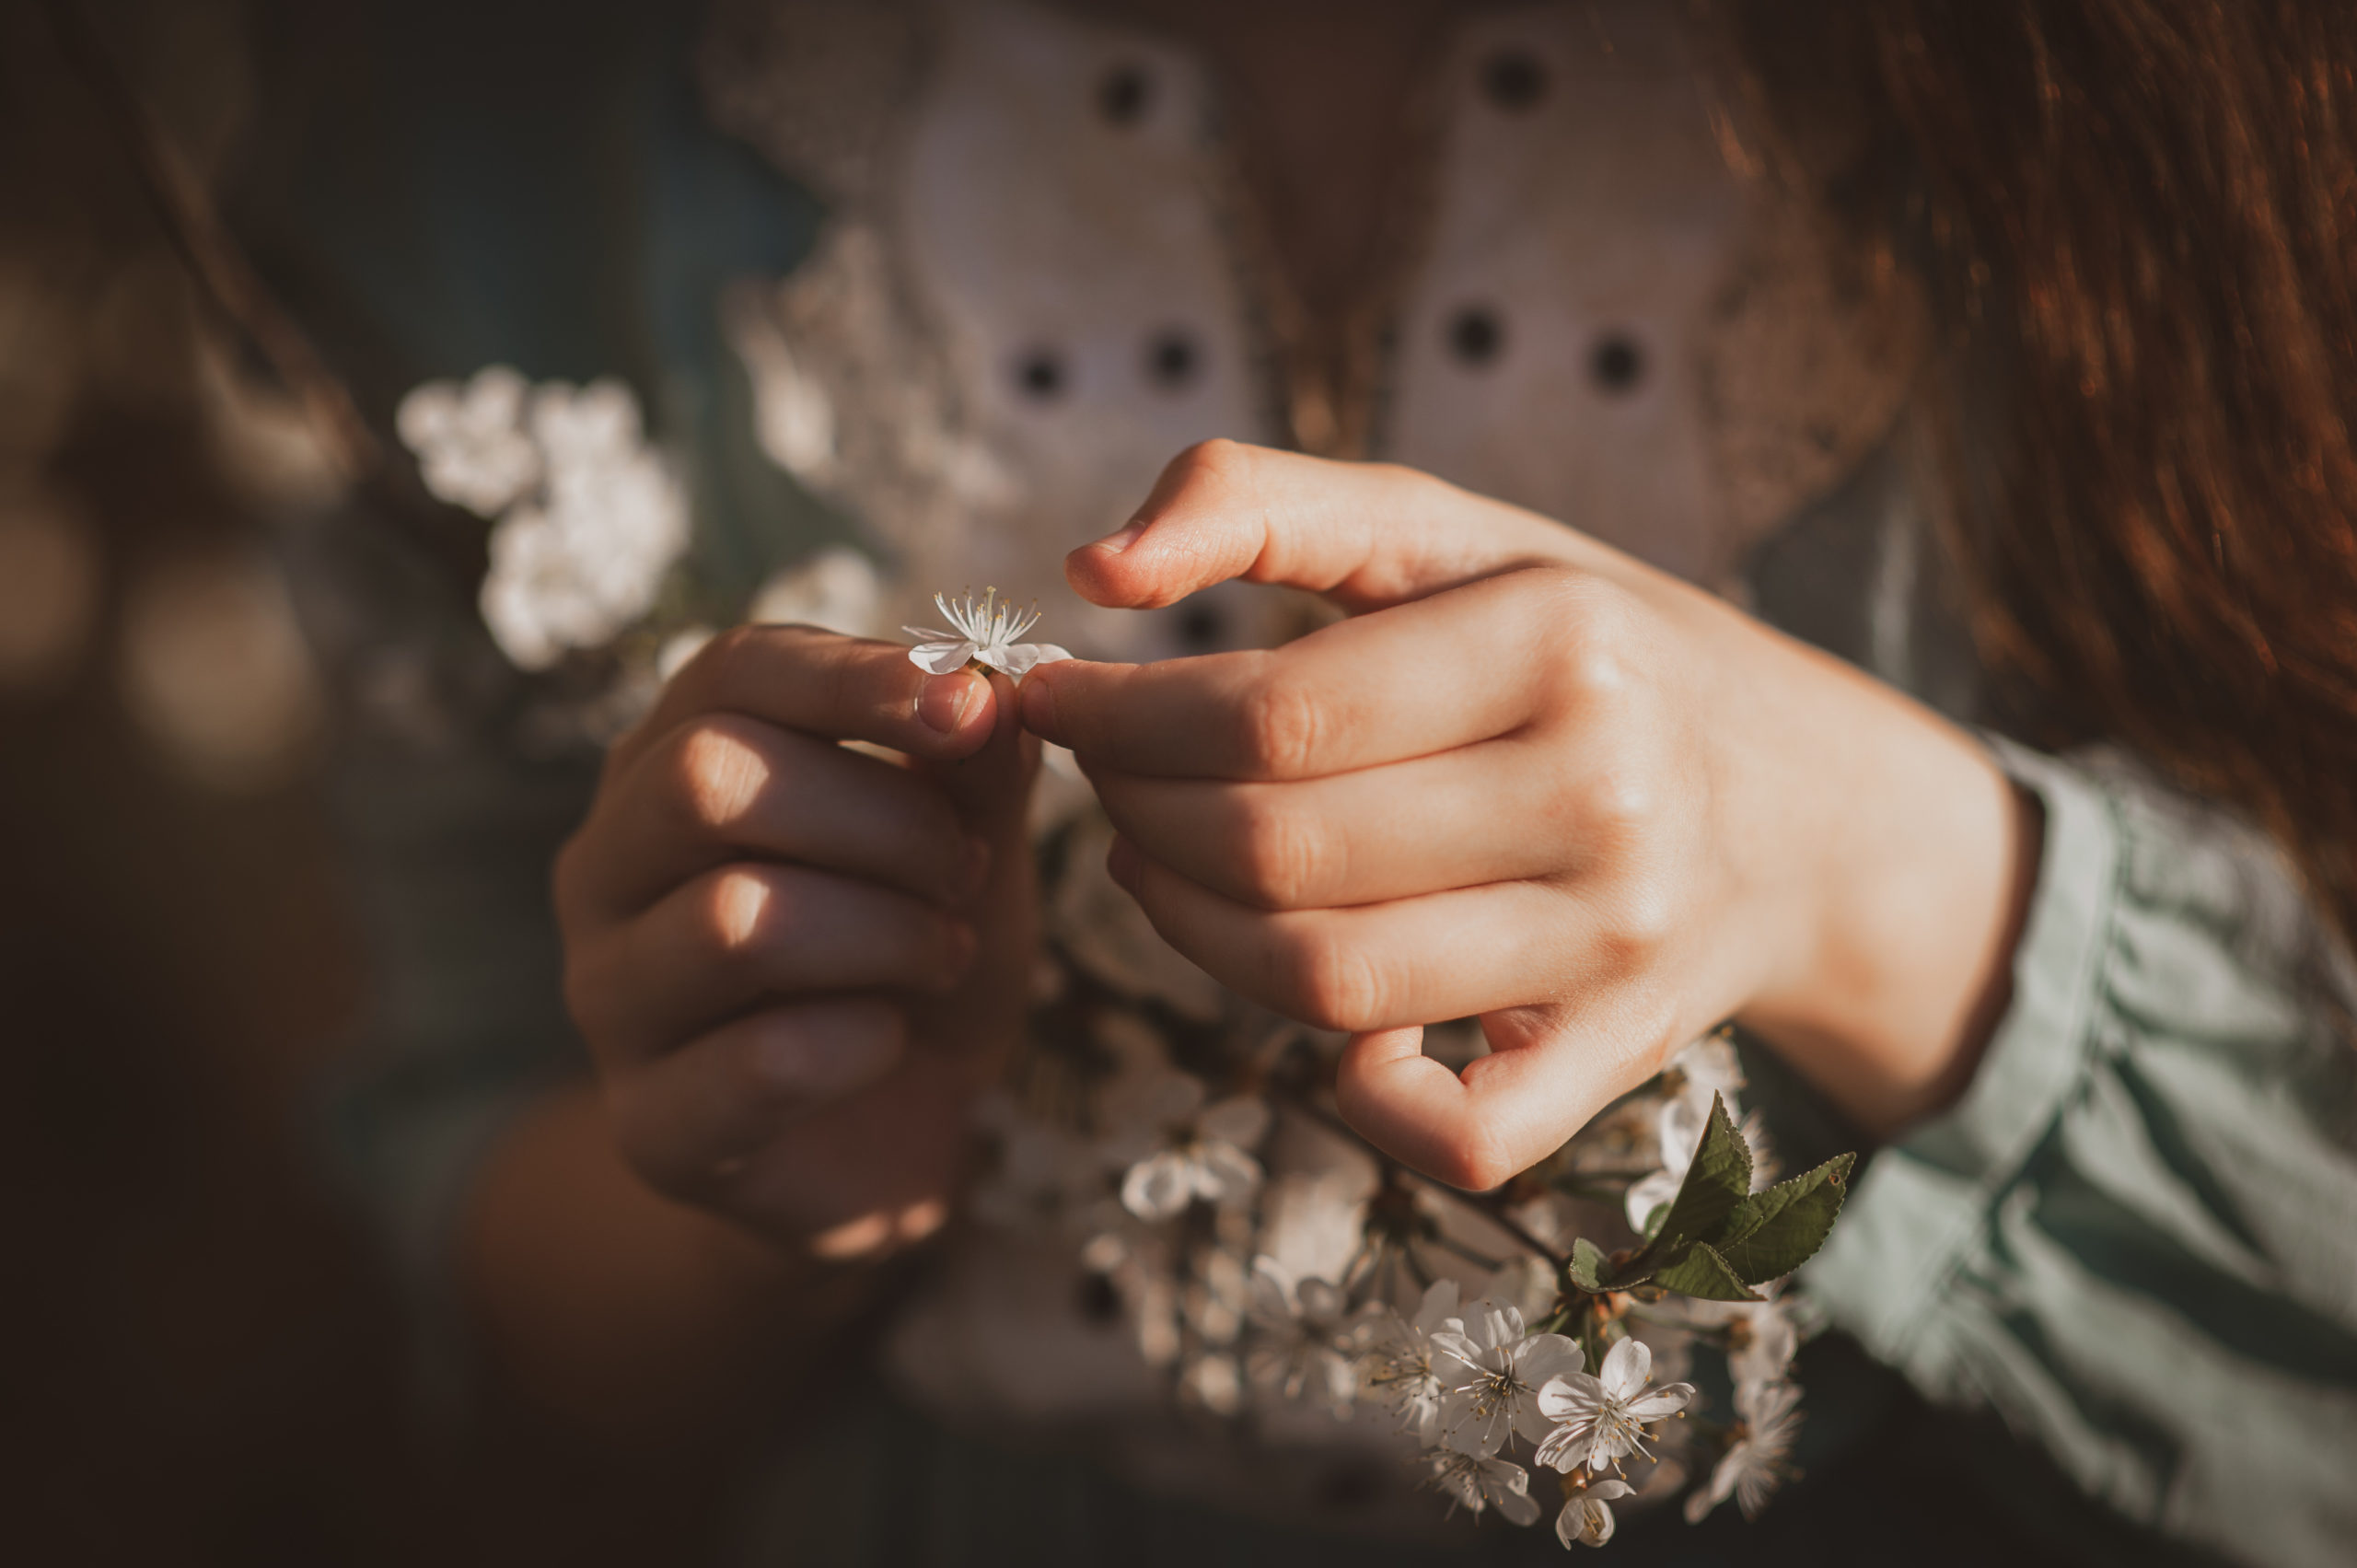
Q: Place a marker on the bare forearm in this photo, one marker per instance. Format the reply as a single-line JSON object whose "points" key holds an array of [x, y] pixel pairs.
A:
{"points": [[616, 1308]]}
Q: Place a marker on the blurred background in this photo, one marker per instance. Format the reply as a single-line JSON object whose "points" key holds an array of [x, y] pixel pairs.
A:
{"points": [[203, 1364]]}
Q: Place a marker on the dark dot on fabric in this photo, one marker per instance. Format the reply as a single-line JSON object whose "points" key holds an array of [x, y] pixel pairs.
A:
{"points": [[1099, 1302], [1123, 94], [1172, 359], [1476, 336], [1514, 80], [1618, 363], [1039, 375], [1201, 626]]}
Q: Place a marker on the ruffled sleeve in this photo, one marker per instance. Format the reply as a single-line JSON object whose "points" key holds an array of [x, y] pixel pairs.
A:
{"points": [[2135, 1236]]}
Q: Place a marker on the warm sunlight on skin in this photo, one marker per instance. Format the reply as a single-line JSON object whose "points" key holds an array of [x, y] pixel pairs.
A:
{"points": [[1635, 812]]}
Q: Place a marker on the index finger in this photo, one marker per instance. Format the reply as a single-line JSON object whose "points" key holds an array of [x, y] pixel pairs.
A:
{"points": [[827, 685], [1410, 681]]}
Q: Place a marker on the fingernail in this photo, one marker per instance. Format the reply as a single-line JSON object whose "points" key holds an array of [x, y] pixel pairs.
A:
{"points": [[1120, 539], [942, 700], [1121, 863], [973, 872]]}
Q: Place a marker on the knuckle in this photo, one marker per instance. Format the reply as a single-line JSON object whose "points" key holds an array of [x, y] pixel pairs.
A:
{"points": [[1332, 983], [1596, 632], [1219, 463], [1641, 920], [734, 914], [1282, 724], [1287, 857], [1622, 807], [718, 768]]}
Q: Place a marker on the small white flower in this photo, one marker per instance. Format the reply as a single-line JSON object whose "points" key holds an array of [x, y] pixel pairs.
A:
{"points": [[1705, 1069], [1302, 1324], [1491, 1373], [1753, 1466], [837, 589], [1475, 1481], [1397, 1369], [1603, 1418], [470, 441], [1175, 1149], [1760, 1336], [984, 634], [1587, 1519]]}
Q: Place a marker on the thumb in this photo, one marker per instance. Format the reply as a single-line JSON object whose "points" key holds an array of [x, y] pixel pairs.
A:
{"points": [[1366, 535]]}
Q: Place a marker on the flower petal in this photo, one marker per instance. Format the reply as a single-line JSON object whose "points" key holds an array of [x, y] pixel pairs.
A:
{"points": [[1546, 1357], [1439, 1306], [1625, 1368], [1566, 1448], [1157, 1186], [1575, 1397], [941, 659], [1662, 1402], [1241, 1120], [1519, 1508]]}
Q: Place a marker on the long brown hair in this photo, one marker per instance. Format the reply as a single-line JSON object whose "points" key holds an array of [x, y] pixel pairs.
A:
{"points": [[2140, 224]]}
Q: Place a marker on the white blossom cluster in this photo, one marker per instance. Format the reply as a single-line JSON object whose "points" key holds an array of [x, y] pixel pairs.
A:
{"points": [[588, 517], [1261, 1294]]}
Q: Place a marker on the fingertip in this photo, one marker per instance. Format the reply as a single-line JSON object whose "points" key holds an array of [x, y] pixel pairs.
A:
{"points": [[959, 708], [1398, 1098], [1094, 570], [1037, 704]]}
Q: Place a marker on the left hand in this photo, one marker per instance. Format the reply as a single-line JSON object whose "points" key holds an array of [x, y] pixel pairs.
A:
{"points": [[1535, 781]]}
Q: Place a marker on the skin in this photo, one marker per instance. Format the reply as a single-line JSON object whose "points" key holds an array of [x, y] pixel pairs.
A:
{"points": [[1529, 779]]}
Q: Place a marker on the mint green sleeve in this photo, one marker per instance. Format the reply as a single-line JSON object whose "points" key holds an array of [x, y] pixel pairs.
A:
{"points": [[2135, 1236]]}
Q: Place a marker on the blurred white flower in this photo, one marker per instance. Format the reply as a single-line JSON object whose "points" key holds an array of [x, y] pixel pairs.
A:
{"points": [[1754, 1465], [1398, 1367], [1303, 1325], [1587, 1519], [984, 633], [1214, 1382], [1172, 1148], [590, 518], [1605, 1416], [1476, 1482], [470, 441], [836, 590], [1491, 1373]]}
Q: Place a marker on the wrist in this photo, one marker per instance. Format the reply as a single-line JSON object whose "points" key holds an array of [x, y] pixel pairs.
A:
{"points": [[1913, 877]]}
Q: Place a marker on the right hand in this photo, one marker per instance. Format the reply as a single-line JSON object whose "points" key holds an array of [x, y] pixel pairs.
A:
{"points": [[794, 963]]}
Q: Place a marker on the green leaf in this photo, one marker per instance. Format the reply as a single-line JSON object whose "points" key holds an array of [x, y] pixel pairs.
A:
{"points": [[1588, 1265], [1701, 1272], [1718, 1179], [1771, 1233]]}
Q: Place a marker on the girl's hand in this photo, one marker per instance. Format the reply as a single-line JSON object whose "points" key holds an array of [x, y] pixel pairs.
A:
{"points": [[795, 963], [1537, 782]]}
